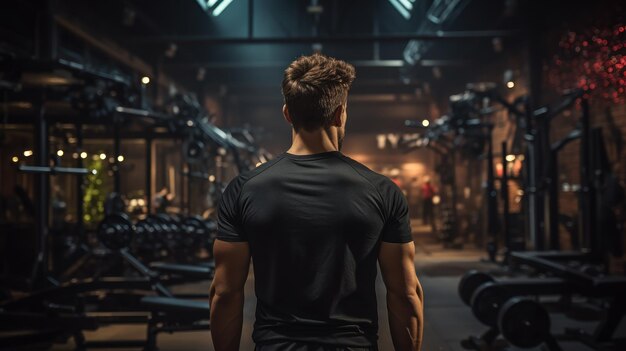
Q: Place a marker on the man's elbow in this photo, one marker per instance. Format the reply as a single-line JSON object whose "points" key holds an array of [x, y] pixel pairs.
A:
{"points": [[413, 296], [227, 294]]}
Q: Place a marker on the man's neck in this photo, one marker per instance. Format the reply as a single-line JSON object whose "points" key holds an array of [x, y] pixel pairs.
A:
{"points": [[315, 142]]}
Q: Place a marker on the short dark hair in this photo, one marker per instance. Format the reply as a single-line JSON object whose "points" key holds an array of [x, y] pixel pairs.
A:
{"points": [[313, 87]]}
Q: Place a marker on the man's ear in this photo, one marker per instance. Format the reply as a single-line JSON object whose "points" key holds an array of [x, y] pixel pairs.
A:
{"points": [[337, 116], [286, 114]]}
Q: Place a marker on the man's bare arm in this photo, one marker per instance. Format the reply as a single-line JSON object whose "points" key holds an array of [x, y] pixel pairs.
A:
{"points": [[405, 299], [226, 296]]}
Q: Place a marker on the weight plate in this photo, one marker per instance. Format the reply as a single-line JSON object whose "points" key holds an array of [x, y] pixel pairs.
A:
{"points": [[116, 231], [470, 282], [524, 323], [487, 301]]}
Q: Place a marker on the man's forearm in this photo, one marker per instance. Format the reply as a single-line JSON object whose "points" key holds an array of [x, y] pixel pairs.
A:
{"points": [[406, 321], [226, 320]]}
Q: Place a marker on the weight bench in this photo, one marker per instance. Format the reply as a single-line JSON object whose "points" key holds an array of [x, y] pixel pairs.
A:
{"points": [[170, 314]]}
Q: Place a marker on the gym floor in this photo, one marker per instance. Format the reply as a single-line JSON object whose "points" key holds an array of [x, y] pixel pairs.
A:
{"points": [[447, 319]]}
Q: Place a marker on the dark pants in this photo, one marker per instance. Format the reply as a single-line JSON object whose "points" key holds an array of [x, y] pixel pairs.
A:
{"points": [[428, 214], [297, 346]]}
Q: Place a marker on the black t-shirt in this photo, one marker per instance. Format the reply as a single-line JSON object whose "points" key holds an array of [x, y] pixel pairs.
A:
{"points": [[314, 224]]}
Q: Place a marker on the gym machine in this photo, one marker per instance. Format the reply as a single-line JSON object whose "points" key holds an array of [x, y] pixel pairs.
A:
{"points": [[66, 310], [576, 278]]}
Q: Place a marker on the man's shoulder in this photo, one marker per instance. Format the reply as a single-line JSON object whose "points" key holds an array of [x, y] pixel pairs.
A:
{"points": [[237, 183], [380, 182]]}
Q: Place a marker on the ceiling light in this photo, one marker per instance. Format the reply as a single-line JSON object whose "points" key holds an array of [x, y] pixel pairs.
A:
{"points": [[404, 7], [220, 7]]}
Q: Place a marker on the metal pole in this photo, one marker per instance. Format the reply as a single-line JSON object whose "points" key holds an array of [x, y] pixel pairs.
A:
{"points": [[149, 175], [46, 46], [80, 225], [40, 270], [116, 153], [492, 201], [587, 211], [504, 192], [189, 185], [552, 183]]}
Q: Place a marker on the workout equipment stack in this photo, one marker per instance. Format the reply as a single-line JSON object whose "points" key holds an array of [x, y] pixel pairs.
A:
{"points": [[535, 286], [122, 270]]}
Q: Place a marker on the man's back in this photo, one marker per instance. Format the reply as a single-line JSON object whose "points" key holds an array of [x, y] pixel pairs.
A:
{"points": [[314, 224]]}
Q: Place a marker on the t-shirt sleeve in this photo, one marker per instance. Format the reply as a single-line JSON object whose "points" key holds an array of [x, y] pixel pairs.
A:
{"points": [[229, 226], [397, 227]]}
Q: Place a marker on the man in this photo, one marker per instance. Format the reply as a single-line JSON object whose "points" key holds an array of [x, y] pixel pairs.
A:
{"points": [[315, 223]]}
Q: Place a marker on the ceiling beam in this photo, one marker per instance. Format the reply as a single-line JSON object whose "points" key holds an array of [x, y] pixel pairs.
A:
{"points": [[397, 37], [279, 64]]}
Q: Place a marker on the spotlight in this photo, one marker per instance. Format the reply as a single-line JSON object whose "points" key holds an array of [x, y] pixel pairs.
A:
{"points": [[425, 123], [120, 158], [28, 153], [510, 84], [103, 156], [145, 80], [510, 158], [436, 200], [15, 159], [83, 155], [60, 153]]}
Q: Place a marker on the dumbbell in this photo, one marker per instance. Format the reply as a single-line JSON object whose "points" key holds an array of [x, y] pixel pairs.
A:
{"points": [[116, 231], [470, 282]]}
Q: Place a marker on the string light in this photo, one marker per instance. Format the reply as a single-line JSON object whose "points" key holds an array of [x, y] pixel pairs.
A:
{"points": [[103, 156], [15, 159], [83, 155], [510, 84], [425, 123], [60, 153], [120, 158], [28, 153], [145, 80], [510, 158]]}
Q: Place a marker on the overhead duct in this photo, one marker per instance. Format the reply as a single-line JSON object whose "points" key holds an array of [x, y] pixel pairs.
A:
{"points": [[440, 13]]}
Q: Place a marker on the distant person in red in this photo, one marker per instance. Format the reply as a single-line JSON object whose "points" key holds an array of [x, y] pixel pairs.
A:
{"points": [[428, 192]]}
